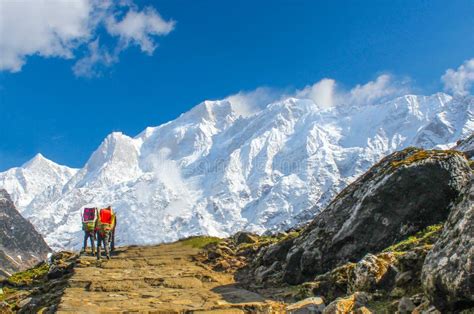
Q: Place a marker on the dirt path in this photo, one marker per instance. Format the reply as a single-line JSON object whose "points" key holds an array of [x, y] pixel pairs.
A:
{"points": [[158, 279]]}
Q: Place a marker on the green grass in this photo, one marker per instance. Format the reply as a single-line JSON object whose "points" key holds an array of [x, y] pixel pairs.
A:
{"points": [[200, 242], [277, 238], [7, 291], [268, 240], [28, 276], [16, 288], [428, 236]]}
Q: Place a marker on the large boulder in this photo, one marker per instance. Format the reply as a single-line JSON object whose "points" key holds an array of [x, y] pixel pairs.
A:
{"points": [[401, 195], [354, 303], [244, 237], [448, 274], [369, 273]]}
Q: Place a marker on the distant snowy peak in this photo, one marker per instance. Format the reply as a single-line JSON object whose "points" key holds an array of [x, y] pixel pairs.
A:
{"points": [[115, 161], [33, 178], [41, 163]]}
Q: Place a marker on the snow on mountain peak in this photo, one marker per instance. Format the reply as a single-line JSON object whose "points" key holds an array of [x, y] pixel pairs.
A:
{"points": [[116, 160], [231, 164], [33, 178], [38, 159]]}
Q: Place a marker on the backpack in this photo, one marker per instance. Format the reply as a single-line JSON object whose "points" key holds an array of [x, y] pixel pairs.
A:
{"points": [[89, 218], [106, 220]]}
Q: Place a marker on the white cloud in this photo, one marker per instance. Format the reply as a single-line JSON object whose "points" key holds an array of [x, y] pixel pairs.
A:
{"points": [[248, 103], [49, 28], [326, 93], [323, 93], [139, 27], [383, 88], [459, 81], [60, 28], [90, 65]]}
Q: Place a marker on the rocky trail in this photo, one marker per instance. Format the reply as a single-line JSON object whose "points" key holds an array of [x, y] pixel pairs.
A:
{"points": [[164, 278]]}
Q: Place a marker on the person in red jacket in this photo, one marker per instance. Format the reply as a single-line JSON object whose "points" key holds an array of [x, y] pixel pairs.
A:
{"points": [[105, 230]]}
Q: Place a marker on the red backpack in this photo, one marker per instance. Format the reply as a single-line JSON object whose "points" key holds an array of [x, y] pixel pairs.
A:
{"points": [[106, 220], [105, 216]]}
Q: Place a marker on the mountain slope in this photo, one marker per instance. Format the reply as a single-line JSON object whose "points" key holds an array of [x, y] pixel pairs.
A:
{"points": [[214, 171], [20, 245]]}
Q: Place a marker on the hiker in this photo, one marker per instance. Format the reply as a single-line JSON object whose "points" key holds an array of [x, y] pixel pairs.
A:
{"points": [[105, 231], [89, 220]]}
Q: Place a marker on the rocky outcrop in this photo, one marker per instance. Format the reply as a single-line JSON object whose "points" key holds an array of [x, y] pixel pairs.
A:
{"points": [[20, 245], [40, 288], [391, 279], [401, 195], [354, 303], [388, 275], [448, 273], [312, 305]]}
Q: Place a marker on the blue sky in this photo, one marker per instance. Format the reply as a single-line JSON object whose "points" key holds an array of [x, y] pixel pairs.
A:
{"points": [[208, 50]]}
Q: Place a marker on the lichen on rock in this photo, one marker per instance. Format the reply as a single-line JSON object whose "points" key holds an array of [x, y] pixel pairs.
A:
{"points": [[369, 273]]}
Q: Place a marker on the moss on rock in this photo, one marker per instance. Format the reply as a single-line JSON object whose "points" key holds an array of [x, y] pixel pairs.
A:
{"points": [[411, 155], [29, 276], [426, 237]]}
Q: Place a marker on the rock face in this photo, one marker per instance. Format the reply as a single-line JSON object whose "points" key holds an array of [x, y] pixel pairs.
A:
{"points": [[448, 274], [401, 195], [20, 245]]}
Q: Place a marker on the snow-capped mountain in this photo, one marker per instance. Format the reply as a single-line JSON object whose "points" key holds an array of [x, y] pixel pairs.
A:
{"points": [[33, 178], [215, 170]]}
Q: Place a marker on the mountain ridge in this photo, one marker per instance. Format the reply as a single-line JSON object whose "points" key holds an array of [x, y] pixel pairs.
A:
{"points": [[216, 171]]}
